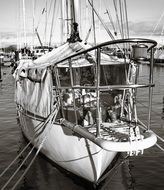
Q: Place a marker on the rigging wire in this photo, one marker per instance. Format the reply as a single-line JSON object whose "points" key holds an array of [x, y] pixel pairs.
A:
{"points": [[40, 18], [87, 36], [126, 18], [121, 19], [104, 25], [117, 17], [111, 20], [50, 7], [157, 25]]}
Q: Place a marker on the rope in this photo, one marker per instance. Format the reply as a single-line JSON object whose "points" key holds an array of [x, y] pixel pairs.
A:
{"points": [[20, 153], [157, 114], [16, 171], [145, 127], [49, 119], [41, 145], [114, 170], [159, 147], [14, 160]]}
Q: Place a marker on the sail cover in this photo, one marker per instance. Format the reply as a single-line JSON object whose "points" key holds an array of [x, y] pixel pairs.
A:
{"points": [[68, 49]]}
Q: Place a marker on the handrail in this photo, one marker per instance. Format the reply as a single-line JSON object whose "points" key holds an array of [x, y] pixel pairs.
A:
{"points": [[119, 41], [108, 87]]}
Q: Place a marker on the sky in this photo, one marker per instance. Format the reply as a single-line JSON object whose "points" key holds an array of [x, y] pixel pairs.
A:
{"points": [[143, 18]]}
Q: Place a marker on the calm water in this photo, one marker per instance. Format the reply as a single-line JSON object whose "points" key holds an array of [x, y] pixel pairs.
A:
{"points": [[144, 172]]}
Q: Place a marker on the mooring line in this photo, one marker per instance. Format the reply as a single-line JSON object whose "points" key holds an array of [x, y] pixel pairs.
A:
{"points": [[16, 171], [4, 171], [158, 137], [159, 147], [157, 114], [30, 142], [18, 181], [145, 127], [49, 119], [113, 170]]}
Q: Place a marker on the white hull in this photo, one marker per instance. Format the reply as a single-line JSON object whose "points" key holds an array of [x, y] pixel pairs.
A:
{"points": [[75, 154]]}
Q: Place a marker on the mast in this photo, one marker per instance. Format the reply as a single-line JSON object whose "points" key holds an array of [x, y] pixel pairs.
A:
{"points": [[52, 24], [24, 24], [62, 27], [67, 18], [93, 23], [46, 17], [33, 21], [74, 4], [19, 41]]}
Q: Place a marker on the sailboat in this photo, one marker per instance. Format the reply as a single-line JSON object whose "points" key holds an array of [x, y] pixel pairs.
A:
{"points": [[78, 105]]}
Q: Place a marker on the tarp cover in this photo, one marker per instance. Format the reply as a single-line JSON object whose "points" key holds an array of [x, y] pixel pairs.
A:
{"points": [[67, 49], [35, 97]]}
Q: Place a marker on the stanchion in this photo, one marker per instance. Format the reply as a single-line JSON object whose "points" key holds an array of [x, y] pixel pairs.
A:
{"points": [[0, 69]]}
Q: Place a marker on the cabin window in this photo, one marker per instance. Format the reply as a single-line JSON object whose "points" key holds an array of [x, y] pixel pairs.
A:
{"points": [[83, 76], [64, 77], [113, 74]]}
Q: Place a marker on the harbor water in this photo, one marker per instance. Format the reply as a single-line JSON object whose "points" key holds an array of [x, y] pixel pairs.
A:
{"points": [[143, 172]]}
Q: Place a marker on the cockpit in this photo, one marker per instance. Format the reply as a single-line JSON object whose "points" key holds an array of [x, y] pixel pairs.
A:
{"points": [[83, 90]]}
